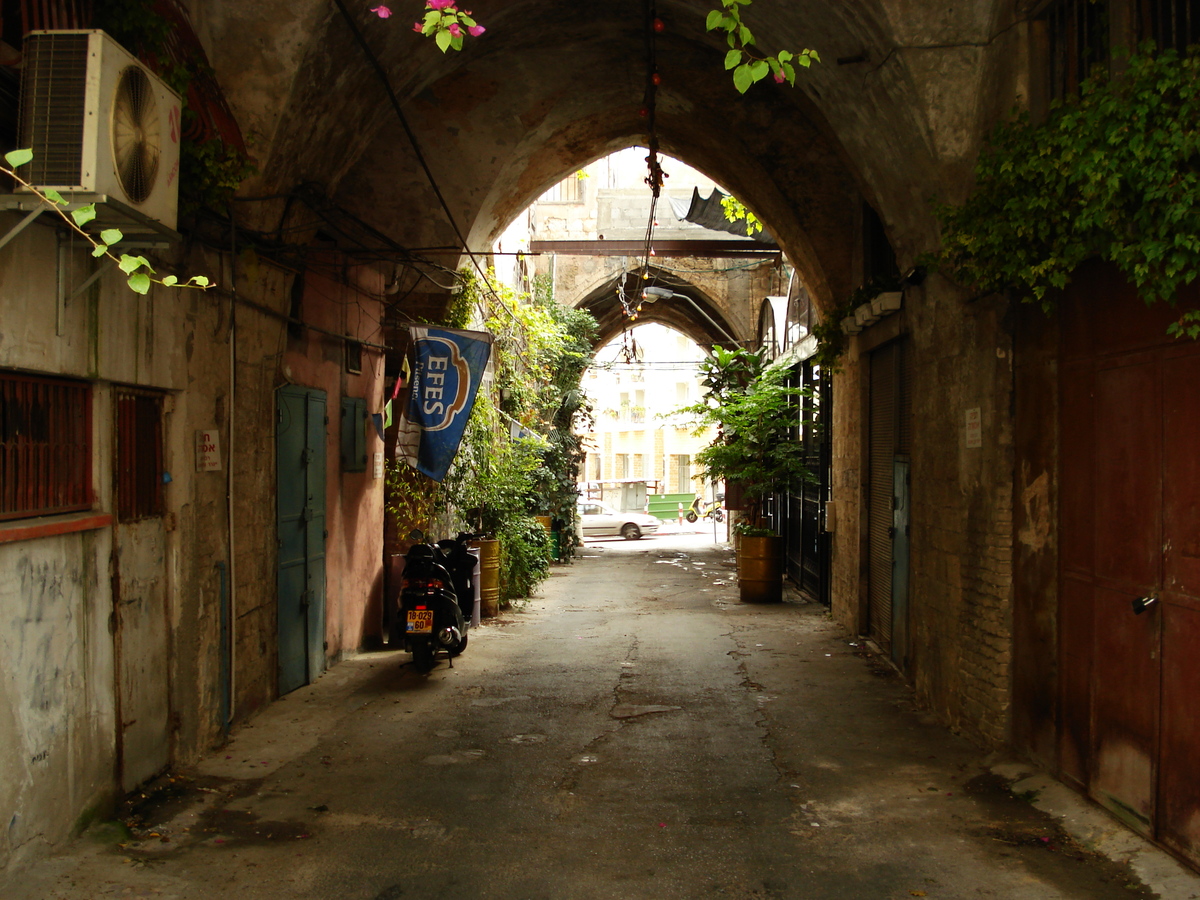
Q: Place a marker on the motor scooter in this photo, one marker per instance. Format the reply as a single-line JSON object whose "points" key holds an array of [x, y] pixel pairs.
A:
{"points": [[437, 597], [712, 510]]}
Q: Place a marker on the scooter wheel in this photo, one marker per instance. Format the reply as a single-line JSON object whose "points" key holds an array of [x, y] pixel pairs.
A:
{"points": [[691, 517], [422, 653], [459, 647]]}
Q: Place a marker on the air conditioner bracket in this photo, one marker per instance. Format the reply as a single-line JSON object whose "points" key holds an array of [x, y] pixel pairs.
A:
{"points": [[140, 231]]}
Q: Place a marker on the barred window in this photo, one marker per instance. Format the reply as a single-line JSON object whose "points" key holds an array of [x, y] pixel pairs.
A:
{"points": [[139, 455], [569, 190], [1078, 35], [45, 446], [1171, 24]]}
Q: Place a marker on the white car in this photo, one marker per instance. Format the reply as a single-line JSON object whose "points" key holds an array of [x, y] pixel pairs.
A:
{"points": [[601, 520]]}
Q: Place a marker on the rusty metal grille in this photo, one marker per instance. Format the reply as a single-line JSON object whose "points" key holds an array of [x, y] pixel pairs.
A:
{"points": [[45, 446], [52, 107], [1171, 24], [1078, 34], [139, 455], [37, 15]]}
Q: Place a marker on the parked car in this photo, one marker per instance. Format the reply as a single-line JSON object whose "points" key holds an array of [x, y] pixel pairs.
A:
{"points": [[601, 520]]}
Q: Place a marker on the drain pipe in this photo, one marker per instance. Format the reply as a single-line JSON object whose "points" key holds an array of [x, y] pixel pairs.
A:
{"points": [[229, 493]]}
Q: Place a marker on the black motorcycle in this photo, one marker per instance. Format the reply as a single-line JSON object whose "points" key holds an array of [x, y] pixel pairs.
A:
{"points": [[437, 598]]}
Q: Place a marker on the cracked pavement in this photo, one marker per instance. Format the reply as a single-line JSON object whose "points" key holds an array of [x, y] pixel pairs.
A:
{"points": [[635, 732]]}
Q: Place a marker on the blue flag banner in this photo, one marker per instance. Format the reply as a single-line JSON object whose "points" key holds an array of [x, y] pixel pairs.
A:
{"points": [[447, 367]]}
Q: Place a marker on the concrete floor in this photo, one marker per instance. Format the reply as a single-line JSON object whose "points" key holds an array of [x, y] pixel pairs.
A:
{"points": [[635, 732]]}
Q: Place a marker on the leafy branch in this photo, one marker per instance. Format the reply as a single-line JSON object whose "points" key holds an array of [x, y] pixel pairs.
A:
{"points": [[444, 21], [138, 270], [1114, 173], [735, 211], [747, 66]]}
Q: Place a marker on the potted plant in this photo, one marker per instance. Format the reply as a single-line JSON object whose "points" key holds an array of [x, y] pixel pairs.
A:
{"points": [[756, 448]]}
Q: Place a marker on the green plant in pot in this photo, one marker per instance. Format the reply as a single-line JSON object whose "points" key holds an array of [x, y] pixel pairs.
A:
{"points": [[757, 449]]}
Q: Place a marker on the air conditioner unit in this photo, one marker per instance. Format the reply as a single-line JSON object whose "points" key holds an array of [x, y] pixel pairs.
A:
{"points": [[99, 122]]}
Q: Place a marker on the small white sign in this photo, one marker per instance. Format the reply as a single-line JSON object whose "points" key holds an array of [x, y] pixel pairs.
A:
{"points": [[208, 451], [378, 472], [974, 429]]}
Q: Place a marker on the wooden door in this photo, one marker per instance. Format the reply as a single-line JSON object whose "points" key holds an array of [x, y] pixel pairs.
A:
{"points": [[1129, 577]]}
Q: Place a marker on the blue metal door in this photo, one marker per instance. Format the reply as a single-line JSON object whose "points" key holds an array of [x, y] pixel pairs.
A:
{"points": [[900, 513], [300, 448]]}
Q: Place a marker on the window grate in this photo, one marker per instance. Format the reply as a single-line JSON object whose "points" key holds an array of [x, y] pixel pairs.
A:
{"points": [[1171, 24], [139, 455], [45, 446], [1078, 34]]}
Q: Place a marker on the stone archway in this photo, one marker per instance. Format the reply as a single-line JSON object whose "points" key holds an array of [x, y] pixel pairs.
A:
{"points": [[701, 315]]}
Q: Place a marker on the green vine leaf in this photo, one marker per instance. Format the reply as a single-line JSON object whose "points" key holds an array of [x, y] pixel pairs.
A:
{"points": [[139, 282], [743, 78], [18, 157], [84, 214], [130, 264]]}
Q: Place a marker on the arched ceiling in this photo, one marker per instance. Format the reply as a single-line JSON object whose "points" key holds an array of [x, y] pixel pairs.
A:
{"points": [[554, 84]]}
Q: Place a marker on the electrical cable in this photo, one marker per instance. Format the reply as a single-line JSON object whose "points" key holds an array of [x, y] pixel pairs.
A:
{"points": [[373, 60]]}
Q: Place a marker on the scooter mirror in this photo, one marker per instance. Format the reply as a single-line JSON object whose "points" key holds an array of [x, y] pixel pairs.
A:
{"points": [[416, 535]]}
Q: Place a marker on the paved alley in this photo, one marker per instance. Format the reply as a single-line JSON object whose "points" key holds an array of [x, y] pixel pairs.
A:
{"points": [[635, 732]]}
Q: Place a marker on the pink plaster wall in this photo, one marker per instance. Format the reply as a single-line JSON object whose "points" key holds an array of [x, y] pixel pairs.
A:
{"points": [[346, 302]]}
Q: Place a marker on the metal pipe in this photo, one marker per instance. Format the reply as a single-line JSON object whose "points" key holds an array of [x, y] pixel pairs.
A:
{"points": [[229, 493]]}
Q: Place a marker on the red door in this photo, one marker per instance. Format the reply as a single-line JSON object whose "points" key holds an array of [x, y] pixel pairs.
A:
{"points": [[1179, 752], [1129, 608]]}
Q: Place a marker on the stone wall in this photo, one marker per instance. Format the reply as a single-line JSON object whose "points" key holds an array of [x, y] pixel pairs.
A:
{"points": [[68, 641]]}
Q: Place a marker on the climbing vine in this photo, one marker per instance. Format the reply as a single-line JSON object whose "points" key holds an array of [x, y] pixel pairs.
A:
{"points": [[735, 211], [448, 25], [1114, 173], [443, 21], [520, 454], [748, 67], [139, 273]]}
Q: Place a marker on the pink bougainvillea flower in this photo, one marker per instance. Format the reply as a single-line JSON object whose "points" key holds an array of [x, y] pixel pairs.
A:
{"points": [[439, 4], [454, 30], [382, 11], [476, 30], [780, 78], [418, 28]]}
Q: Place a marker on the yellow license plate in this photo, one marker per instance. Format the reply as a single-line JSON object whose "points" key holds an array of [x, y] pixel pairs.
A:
{"points": [[420, 621]]}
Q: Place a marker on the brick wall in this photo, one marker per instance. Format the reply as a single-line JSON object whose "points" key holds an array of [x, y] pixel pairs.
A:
{"points": [[960, 563]]}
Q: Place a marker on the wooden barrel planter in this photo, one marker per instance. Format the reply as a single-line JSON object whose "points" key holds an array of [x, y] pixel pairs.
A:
{"points": [[760, 569], [489, 579]]}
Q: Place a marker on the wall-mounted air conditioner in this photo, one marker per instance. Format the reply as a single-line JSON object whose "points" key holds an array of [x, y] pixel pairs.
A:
{"points": [[99, 122]]}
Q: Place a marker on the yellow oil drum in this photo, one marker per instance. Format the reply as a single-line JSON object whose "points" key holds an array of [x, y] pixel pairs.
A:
{"points": [[760, 569], [489, 578]]}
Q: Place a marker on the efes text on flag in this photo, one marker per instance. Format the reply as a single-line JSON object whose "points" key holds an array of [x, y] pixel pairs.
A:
{"points": [[447, 367]]}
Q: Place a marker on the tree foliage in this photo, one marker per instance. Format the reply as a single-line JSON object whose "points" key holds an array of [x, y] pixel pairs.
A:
{"points": [[757, 414], [521, 452]]}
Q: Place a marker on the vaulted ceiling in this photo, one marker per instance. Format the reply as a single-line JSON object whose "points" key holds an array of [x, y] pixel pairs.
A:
{"points": [[892, 115]]}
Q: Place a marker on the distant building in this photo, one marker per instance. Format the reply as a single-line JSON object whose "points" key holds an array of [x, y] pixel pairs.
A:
{"points": [[637, 387]]}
